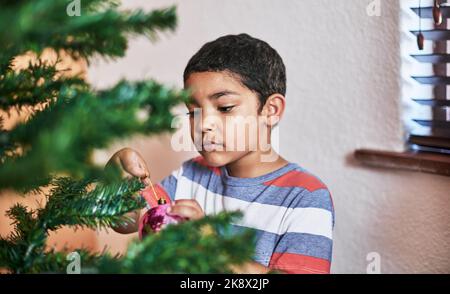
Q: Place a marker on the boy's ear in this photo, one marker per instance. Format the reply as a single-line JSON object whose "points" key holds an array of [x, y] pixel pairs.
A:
{"points": [[274, 109]]}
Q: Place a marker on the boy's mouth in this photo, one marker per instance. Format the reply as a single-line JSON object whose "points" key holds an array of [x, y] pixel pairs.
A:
{"points": [[212, 146]]}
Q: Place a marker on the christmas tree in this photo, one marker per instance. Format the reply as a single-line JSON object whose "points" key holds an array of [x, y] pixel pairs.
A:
{"points": [[68, 120]]}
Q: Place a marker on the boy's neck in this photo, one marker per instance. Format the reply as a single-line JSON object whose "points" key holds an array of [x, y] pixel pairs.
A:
{"points": [[251, 165]]}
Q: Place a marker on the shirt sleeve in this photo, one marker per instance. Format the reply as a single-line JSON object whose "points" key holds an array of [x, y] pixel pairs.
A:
{"points": [[169, 184], [306, 246]]}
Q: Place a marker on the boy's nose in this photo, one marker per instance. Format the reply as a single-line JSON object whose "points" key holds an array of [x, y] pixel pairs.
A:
{"points": [[209, 123]]}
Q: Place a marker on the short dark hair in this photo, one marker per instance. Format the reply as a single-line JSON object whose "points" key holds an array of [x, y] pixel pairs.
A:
{"points": [[258, 66]]}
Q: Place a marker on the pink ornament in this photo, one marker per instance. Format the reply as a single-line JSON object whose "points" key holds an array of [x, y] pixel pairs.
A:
{"points": [[156, 219]]}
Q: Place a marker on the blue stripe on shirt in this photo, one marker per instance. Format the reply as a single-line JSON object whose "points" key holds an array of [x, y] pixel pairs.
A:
{"points": [[272, 195]]}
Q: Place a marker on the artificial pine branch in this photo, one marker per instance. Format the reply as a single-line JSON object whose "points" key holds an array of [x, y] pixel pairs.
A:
{"points": [[69, 203], [78, 122], [208, 245], [100, 29], [38, 83], [73, 122]]}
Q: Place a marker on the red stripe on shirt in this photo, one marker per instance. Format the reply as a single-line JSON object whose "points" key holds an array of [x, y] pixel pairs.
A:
{"points": [[299, 264], [297, 179]]}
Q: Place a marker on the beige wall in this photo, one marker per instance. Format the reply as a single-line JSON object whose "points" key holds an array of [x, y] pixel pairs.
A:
{"points": [[344, 93]]}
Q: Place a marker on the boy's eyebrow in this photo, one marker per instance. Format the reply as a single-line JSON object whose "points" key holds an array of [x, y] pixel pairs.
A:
{"points": [[222, 93], [214, 96], [192, 101]]}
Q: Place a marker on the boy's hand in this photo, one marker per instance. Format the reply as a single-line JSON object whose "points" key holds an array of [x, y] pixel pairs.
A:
{"points": [[187, 208], [131, 163]]}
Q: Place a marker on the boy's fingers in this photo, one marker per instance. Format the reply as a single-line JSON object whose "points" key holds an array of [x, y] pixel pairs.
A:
{"points": [[185, 211], [189, 202], [134, 164], [146, 181], [137, 169]]}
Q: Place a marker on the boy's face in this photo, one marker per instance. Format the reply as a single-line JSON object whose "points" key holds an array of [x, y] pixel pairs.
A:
{"points": [[223, 117]]}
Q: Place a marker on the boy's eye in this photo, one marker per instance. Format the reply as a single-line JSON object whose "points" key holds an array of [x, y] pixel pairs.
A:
{"points": [[225, 109], [191, 113]]}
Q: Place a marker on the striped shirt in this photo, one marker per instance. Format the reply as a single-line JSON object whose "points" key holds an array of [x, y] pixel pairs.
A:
{"points": [[290, 209]]}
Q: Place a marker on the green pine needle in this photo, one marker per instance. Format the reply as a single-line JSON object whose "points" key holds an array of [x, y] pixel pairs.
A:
{"points": [[72, 121]]}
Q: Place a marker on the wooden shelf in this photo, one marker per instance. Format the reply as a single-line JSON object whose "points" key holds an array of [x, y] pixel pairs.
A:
{"points": [[414, 161]]}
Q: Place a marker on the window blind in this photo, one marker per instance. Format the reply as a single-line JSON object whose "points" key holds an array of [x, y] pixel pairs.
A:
{"points": [[431, 32]]}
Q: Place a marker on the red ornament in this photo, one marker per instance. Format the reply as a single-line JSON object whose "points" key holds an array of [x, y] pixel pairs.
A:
{"points": [[156, 219]]}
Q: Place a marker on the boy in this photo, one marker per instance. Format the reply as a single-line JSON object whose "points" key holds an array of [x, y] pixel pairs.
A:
{"points": [[237, 76]]}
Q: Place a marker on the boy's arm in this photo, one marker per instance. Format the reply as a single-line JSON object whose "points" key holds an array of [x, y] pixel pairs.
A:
{"points": [[131, 163], [306, 247], [131, 226]]}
